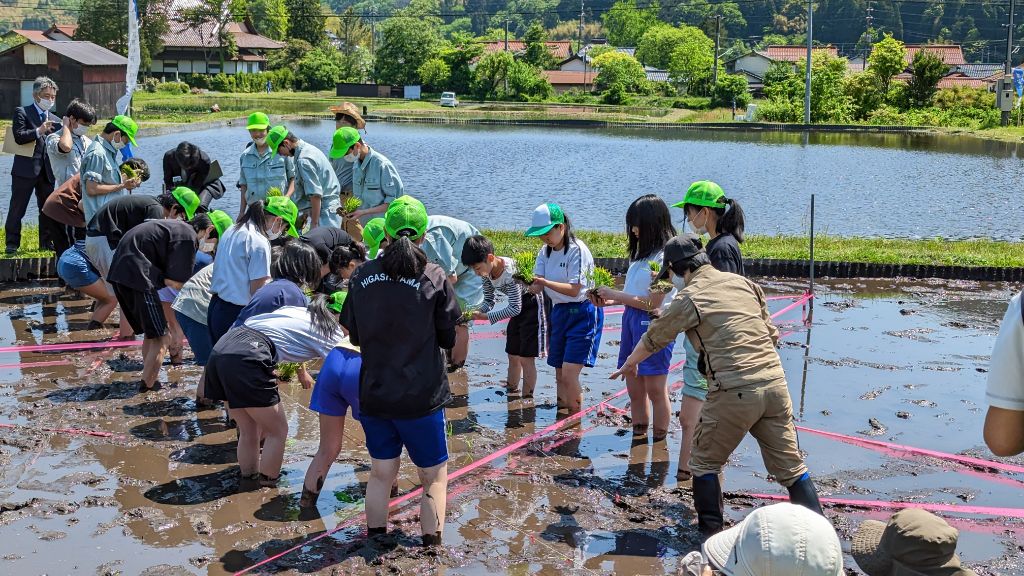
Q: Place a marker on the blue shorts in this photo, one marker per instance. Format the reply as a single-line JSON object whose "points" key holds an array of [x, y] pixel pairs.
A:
{"points": [[634, 325], [337, 384], [575, 334], [423, 437], [74, 267], [198, 336], [220, 316]]}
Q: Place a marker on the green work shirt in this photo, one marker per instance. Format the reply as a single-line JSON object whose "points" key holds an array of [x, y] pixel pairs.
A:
{"points": [[99, 165], [261, 172], [343, 170], [375, 181], [314, 176]]}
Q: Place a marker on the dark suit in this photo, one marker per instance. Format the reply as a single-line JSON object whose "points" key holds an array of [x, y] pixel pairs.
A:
{"points": [[30, 175], [195, 178]]}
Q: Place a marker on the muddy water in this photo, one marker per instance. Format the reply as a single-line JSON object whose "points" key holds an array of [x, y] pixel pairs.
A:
{"points": [[899, 362]]}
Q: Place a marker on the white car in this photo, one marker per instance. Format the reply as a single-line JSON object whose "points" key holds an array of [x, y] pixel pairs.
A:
{"points": [[449, 99]]}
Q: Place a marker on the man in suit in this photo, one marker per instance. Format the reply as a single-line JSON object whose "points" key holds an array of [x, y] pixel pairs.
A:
{"points": [[33, 123]]}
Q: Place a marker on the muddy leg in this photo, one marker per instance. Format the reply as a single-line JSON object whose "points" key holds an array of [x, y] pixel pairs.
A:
{"points": [[152, 358], [434, 502], [175, 336], [515, 374], [383, 474], [529, 368], [689, 415], [657, 390], [638, 404], [570, 393], [332, 429], [248, 441], [105, 301], [274, 430], [461, 350]]}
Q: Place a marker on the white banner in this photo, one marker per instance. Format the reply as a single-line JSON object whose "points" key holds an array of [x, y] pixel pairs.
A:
{"points": [[132, 76]]}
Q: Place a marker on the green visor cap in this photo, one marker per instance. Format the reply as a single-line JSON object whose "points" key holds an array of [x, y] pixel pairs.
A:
{"points": [[127, 126], [343, 140], [284, 207], [409, 214], [373, 234], [258, 121], [188, 199], [703, 193], [221, 222], [545, 217], [276, 135], [337, 300]]}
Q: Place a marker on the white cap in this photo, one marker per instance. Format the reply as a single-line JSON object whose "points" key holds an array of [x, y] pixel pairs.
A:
{"points": [[778, 540]]}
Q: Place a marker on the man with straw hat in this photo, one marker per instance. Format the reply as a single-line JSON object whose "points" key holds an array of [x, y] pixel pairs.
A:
{"points": [[913, 543], [345, 115]]}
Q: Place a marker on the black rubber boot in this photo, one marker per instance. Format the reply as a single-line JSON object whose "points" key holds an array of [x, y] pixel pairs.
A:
{"points": [[707, 501], [802, 492]]}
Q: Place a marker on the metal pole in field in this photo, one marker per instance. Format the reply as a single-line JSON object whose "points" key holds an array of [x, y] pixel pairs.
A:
{"points": [[811, 285], [718, 35], [1009, 66], [810, 43]]}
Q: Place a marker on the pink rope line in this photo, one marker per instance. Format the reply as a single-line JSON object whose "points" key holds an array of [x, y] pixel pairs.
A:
{"points": [[889, 505], [799, 302], [610, 311], [71, 346]]}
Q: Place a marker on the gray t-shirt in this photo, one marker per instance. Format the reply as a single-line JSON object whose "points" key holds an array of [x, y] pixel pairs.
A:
{"points": [[291, 330]]}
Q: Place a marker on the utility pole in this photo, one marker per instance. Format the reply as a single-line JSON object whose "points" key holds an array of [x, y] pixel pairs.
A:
{"points": [[506, 35], [1008, 72], [579, 49], [870, 36], [810, 44], [373, 43], [718, 36]]}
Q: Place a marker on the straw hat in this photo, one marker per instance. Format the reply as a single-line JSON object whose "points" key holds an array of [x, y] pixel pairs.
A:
{"points": [[349, 109]]}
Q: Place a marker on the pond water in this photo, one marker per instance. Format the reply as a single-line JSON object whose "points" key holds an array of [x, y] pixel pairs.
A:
{"points": [[886, 185]]}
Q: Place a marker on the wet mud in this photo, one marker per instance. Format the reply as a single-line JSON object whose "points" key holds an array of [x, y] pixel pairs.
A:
{"points": [[157, 491]]}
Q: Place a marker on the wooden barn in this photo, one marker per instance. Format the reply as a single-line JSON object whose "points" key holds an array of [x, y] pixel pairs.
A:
{"points": [[80, 69]]}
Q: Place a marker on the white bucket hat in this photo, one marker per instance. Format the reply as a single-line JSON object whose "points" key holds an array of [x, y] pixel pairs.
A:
{"points": [[778, 540]]}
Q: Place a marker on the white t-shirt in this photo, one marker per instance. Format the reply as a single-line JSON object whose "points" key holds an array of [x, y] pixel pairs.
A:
{"points": [[639, 276], [243, 255], [573, 266], [291, 330], [194, 297], [1006, 369]]}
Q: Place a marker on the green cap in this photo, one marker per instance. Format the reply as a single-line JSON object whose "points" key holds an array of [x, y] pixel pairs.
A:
{"points": [[343, 140], [284, 207], [276, 135], [188, 199], [703, 193], [258, 121], [221, 221], [126, 125], [373, 233], [337, 300], [408, 214], [545, 217]]}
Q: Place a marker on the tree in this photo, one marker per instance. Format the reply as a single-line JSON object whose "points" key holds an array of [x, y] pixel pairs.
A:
{"points": [[459, 54], [288, 57], [657, 44], [324, 67], [435, 73], [537, 53], [617, 69], [270, 17], [350, 28], [691, 61], [829, 100], [106, 24], [626, 23], [491, 74], [214, 15], [701, 13], [406, 42], [732, 88], [865, 92], [525, 82], [888, 58], [306, 21], [927, 70]]}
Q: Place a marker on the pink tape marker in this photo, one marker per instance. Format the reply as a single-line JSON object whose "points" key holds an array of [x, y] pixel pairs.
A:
{"points": [[887, 505]]}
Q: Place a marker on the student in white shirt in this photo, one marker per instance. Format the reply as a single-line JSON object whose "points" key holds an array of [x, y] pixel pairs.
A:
{"points": [[1004, 422]]}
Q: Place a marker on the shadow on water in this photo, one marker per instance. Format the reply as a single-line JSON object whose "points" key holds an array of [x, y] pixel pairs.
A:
{"points": [[319, 555], [199, 489], [180, 406], [161, 430], [207, 454], [94, 392]]}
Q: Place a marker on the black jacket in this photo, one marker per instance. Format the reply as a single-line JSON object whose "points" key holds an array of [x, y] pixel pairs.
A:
{"points": [[400, 328], [194, 178], [26, 120]]}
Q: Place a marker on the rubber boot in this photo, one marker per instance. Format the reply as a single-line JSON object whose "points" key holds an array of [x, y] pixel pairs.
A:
{"points": [[802, 492], [707, 501]]}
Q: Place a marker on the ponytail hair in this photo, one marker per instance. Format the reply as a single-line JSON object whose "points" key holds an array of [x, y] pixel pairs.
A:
{"points": [[343, 255], [323, 319], [201, 222], [402, 258], [730, 219], [256, 215]]}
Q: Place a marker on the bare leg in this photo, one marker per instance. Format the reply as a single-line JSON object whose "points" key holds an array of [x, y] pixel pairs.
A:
{"points": [[434, 500], [570, 393], [638, 404], [248, 441], [656, 388], [461, 350], [273, 429], [332, 429], [175, 335], [515, 373], [152, 358], [105, 301], [689, 415], [383, 474], [529, 375]]}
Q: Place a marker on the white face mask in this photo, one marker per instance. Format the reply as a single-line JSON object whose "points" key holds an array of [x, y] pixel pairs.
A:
{"points": [[350, 157], [119, 144], [260, 141], [80, 130], [703, 228], [45, 104], [678, 281], [274, 234], [208, 247]]}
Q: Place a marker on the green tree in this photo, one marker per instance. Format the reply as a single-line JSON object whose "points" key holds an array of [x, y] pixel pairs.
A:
{"points": [[350, 28], [460, 54], [324, 67], [270, 17], [926, 71], [106, 24], [537, 53], [731, 88], [622, 70], [691, 61], [306, 21], [435, 74], [829, 100], [294, 50], [701, 13], [888, 58], [626, 23], [865, 92], [491, 74], [657, 44], [525, 82], [405, 44]]}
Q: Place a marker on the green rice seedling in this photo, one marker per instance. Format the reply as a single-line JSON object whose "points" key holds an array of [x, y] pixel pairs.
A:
{"points": [[525, 262], [129, 172], [286, 371], [352, 204], [274, 191], [600, 278]]}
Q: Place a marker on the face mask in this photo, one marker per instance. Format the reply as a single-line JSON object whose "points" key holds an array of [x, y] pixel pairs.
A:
{"points": [[678, 281], [260, 141], [702, 230], [45, 104], [80, 130], [208, 247], [350, 157], [274, 234], [118, 144]]}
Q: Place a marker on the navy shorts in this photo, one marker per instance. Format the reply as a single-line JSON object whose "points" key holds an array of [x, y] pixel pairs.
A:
{"points": [[198, 337], [337, 384], [423, 437], [74, 267], [634, 325], [220, 316], [575, 334]]}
